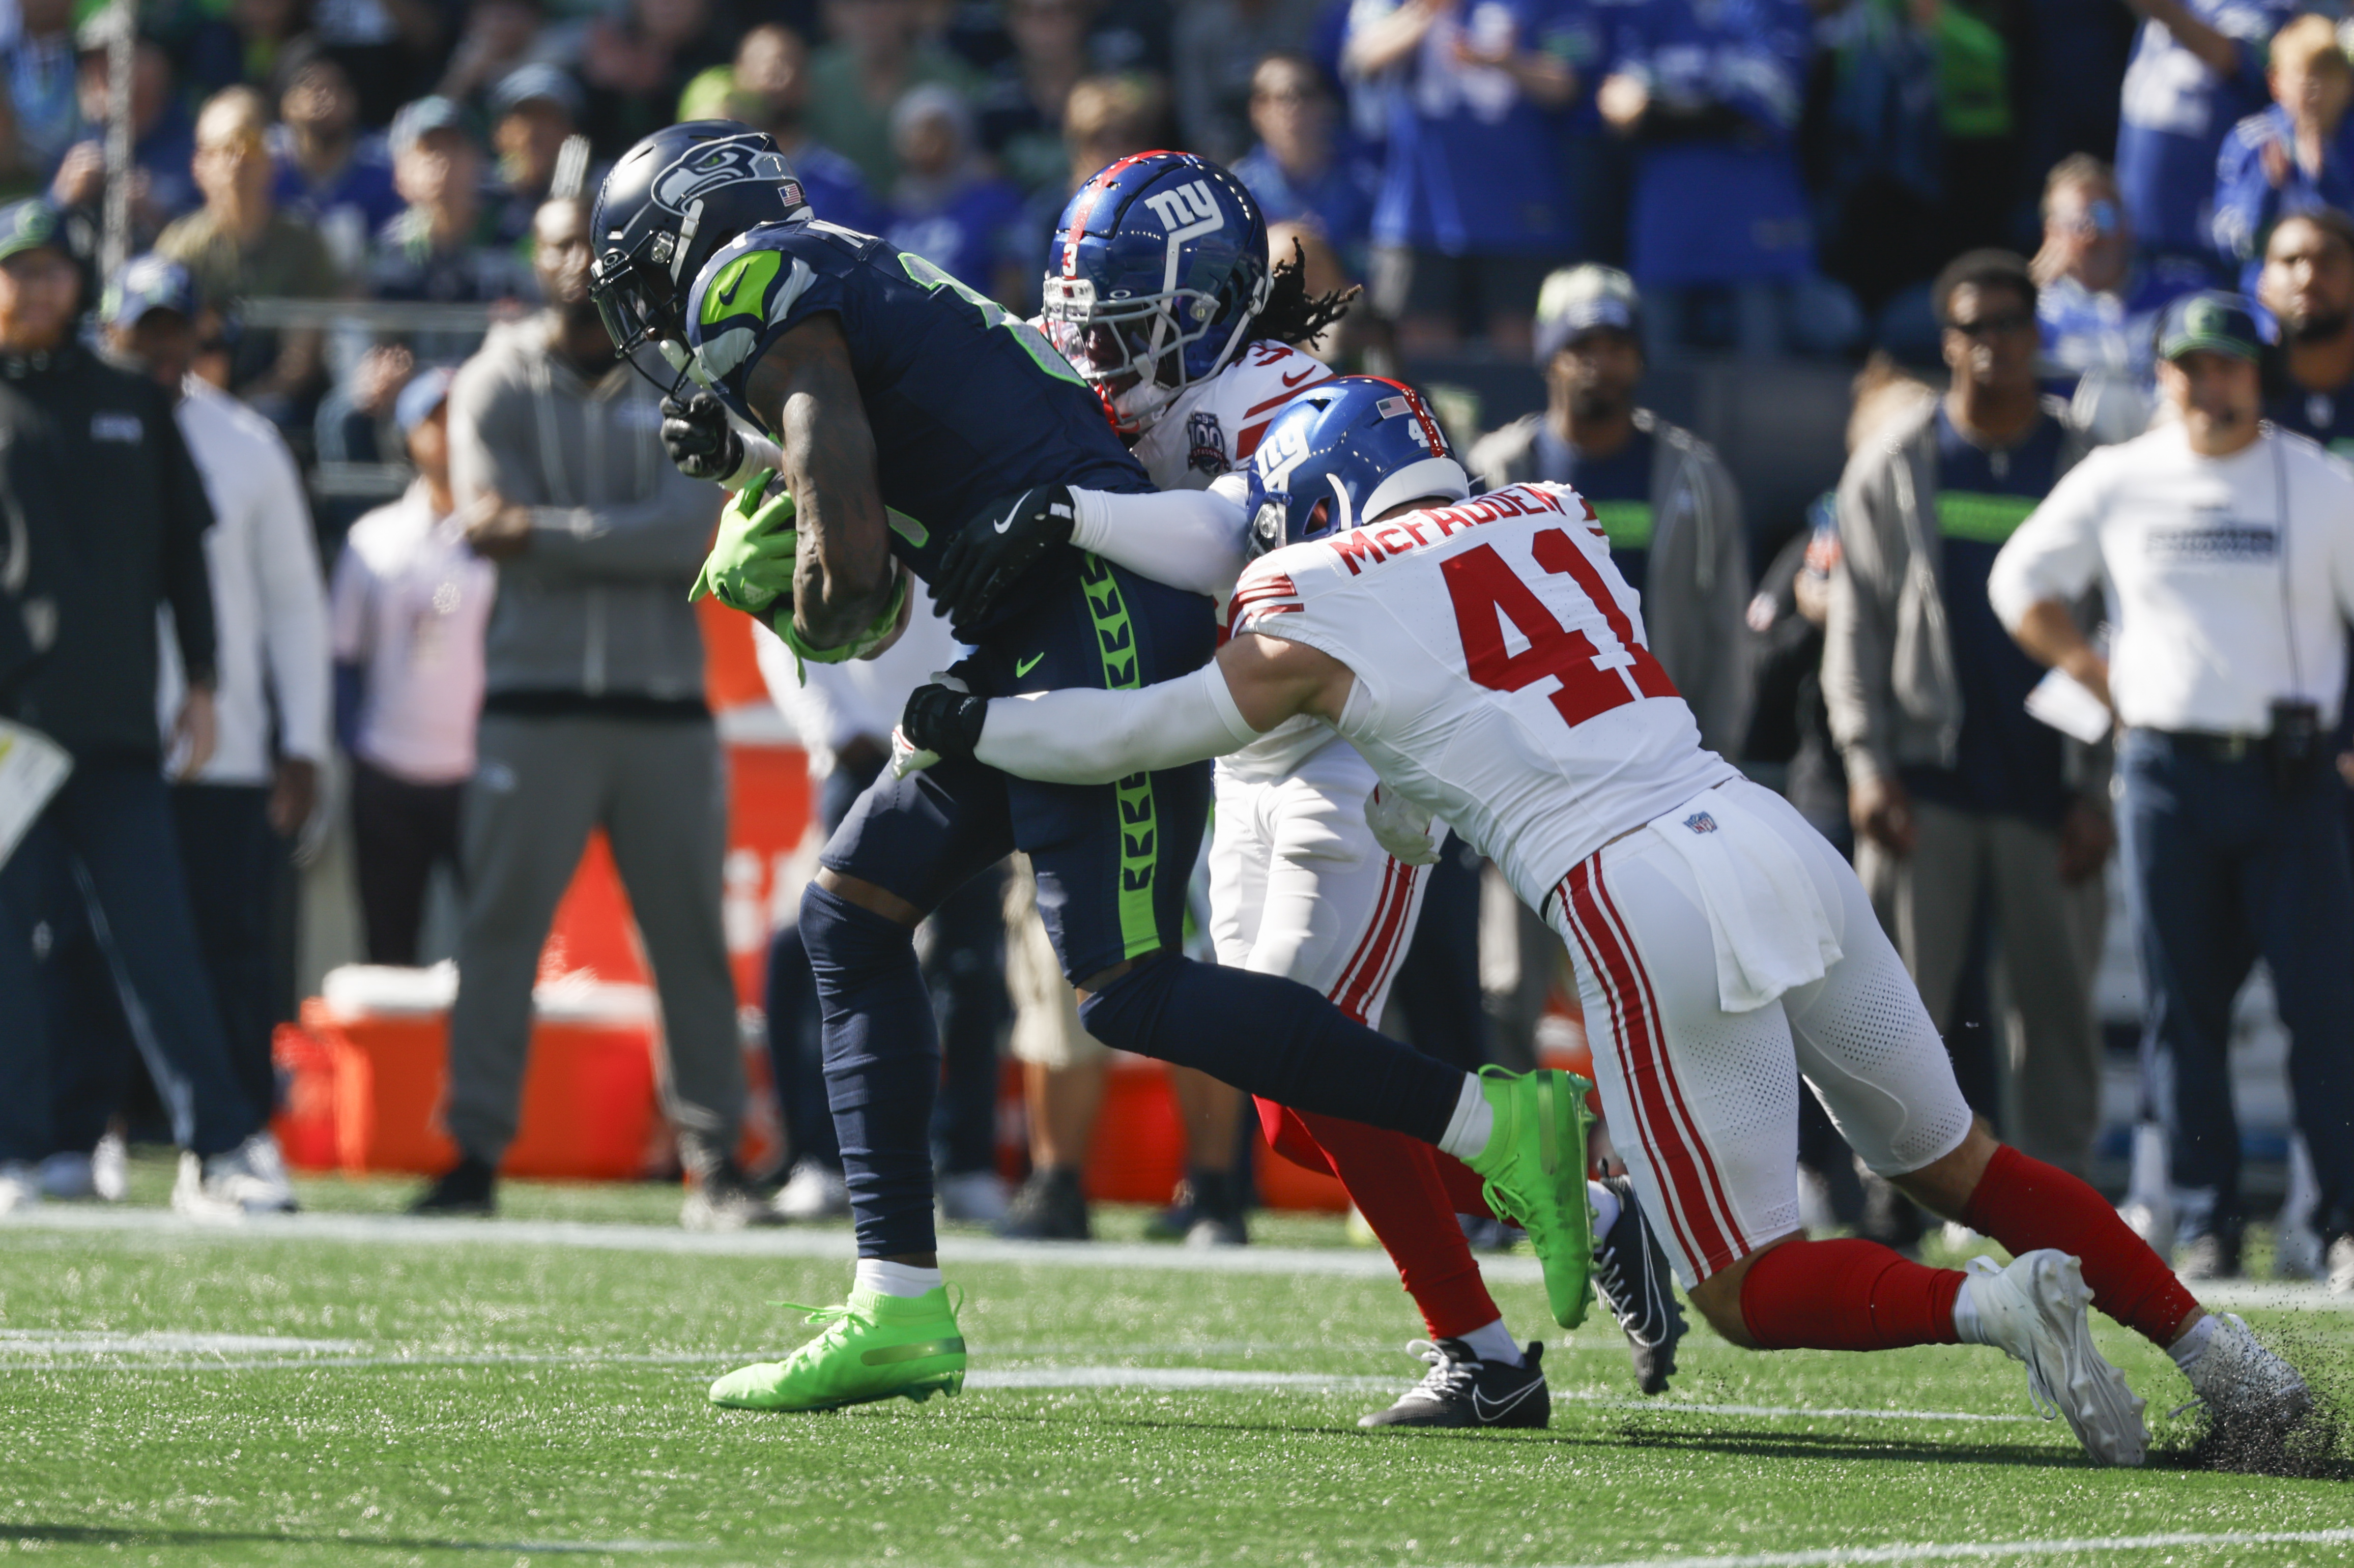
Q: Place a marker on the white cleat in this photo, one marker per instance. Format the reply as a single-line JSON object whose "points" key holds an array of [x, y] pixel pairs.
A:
{"points": [[190, 1198], [248, 1180], [2035, 1309], [252, 1176], [20, 1186], [813, 1191], [2239, 1379], [103, 1173], [973, 1196], [109, 1169], [68, 1177]]}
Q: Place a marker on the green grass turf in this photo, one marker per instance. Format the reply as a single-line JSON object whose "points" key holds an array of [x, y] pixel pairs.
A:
{"points": [[551, 1397]]}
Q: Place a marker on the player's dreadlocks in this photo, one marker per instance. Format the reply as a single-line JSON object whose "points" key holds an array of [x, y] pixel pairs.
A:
{"points": [[1293, 315]]}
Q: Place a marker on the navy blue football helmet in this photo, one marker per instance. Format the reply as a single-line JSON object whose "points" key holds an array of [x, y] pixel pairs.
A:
{"points": [[673, 200], [1158, 267], [1342, 453]]}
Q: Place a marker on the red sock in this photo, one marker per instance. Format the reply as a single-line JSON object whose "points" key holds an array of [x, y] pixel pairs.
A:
{"points": [[2026, 1204], [1847, 1295], [1395, 1181]]}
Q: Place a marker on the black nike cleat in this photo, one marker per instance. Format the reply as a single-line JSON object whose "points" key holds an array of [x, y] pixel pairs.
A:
{"points": [[1461, 1390], [1630, 1275]]}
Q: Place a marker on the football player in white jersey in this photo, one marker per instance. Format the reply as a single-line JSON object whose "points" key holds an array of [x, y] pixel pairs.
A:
{"points": [[1488, 660], [1153, 256]]}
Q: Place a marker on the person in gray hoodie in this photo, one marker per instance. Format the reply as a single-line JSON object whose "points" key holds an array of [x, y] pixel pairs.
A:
{"points": [[593, 716], [1952, 786], [1660, 492]]}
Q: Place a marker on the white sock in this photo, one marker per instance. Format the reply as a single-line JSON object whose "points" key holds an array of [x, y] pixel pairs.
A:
{"points": [[2191, 1348], [888, 1278], [1967, 1326], [1474, 1120], [1605, 1208], [1493, 1343]]}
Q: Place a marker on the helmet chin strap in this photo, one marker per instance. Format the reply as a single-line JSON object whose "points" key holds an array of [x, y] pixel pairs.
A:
{"points": [[679, 360]]}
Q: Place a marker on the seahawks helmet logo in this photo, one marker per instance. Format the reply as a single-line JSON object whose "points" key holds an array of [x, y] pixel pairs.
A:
{"points": [[715, 165]]}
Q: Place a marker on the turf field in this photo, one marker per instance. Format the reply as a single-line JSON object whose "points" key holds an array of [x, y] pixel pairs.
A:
{"points": [[348, 1388]]}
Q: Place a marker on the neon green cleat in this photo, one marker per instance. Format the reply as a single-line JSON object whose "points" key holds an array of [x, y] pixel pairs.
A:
{"points": [[1535, 1171], [877, 1347]]}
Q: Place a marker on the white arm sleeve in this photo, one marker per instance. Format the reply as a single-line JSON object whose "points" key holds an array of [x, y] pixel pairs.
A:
{"points": [[1077, 737], [760, 455], [2056, 553], [1187, 538]]}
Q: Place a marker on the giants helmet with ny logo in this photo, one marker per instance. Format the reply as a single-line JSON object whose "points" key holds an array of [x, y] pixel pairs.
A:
{"points": [[1156, 270]]}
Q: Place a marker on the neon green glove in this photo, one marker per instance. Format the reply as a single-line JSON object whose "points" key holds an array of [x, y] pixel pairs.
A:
{"points": [[750, 566]]}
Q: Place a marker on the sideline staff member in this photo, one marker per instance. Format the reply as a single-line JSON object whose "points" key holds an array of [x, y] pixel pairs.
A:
{"points": [[104, 520], [2228, 548]]}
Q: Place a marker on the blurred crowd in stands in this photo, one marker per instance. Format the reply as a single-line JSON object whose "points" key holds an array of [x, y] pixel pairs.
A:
{"points": [[1601, 187], [1776, 175]]}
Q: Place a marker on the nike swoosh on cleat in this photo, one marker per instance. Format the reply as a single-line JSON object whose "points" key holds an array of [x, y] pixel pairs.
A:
{"points": [[1027, 665], [1489, 1410]]}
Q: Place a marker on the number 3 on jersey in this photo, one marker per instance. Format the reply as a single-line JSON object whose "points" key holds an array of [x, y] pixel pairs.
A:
{"points": [[1488, 593]]}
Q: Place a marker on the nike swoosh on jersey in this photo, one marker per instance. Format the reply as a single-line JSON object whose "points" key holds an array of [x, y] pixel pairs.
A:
{"points": [[1296, 380], [1027, 665], [1491, 1410]]}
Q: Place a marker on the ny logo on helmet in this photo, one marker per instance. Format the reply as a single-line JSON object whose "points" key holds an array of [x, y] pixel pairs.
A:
{"points": [[717, 165], [1183, 205]]}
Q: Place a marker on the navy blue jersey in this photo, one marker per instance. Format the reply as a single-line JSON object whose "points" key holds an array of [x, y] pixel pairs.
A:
{"points": [[967, 402]]}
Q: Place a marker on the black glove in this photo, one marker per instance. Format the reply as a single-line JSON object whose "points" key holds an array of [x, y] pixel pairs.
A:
{"points": [[701, 442], [1001, 544], [944, 720]]}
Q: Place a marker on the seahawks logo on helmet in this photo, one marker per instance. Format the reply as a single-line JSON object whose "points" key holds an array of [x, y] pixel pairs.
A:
{"points": [[715, 165]]}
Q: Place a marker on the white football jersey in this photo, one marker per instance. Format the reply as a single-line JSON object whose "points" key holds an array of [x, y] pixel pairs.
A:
{"points": [[1503, 677], [1208, 433], [1213, 426]]}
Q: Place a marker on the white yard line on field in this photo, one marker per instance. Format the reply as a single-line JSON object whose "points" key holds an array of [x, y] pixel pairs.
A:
{"points": [[1961, 1551], [143, 1352], [835, 1243]]}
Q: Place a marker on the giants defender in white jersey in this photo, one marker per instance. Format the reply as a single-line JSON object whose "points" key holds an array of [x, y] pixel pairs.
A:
{"points": [[1487, 660], [1300, 885]]}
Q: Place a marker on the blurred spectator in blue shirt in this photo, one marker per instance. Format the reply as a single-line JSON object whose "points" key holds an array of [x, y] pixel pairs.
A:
{"points": [[1021, 105], [946, 207], [1216, 46], [534, 110], [1709, 91], [768, 86], [2308, 285], [635, 61], [876, 50], [501, 37], [1104, 118], [1301, 170], [1472, 210], [38, 62], [441, 248], [163, 147], [2289, 157], [2198, 69], [329, 174], [2097, 301]]}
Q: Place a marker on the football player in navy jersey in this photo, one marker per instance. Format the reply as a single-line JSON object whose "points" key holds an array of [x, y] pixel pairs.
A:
{"points": [[901, 409]]}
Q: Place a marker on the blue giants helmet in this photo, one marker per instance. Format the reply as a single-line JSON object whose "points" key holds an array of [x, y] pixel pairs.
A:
{"points": [[1156, 270], [1341, 454], [673, 200]]}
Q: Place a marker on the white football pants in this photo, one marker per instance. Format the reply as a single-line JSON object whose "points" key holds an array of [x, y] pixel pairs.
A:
{"points": [[1702, 1103]]}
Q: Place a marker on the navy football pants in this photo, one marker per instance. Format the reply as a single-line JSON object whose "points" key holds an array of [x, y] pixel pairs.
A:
{"points": [[1112, 863]]}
